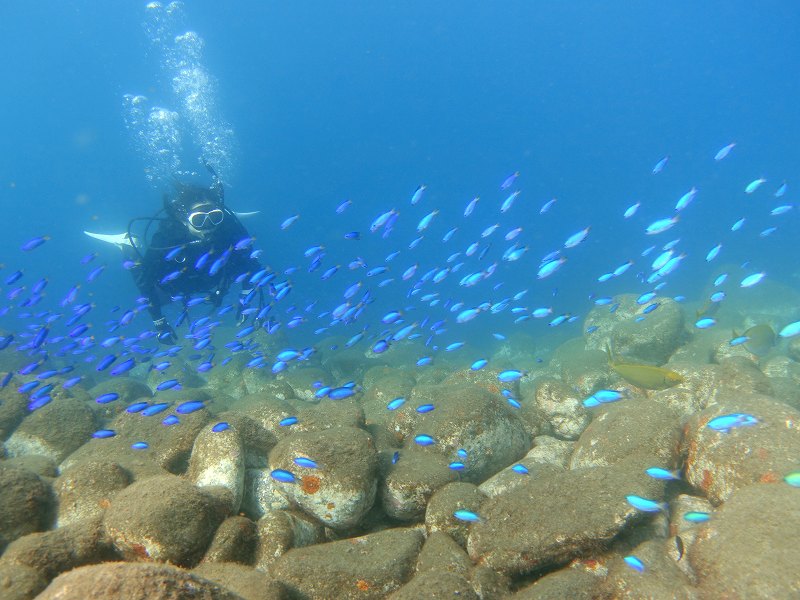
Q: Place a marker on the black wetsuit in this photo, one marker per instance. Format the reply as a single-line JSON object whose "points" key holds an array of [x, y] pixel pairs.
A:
{"points": [[173, 234]]}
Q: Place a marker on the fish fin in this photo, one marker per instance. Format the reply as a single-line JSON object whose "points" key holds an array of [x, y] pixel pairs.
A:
{"points": [[118, 239], [609, 353], [246, 214]]}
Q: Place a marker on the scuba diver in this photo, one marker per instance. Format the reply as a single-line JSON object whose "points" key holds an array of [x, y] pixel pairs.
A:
{"points": [[200, 247]]}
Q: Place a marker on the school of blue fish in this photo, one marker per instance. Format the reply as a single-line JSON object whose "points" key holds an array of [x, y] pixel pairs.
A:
{"points": [[485, 263]]}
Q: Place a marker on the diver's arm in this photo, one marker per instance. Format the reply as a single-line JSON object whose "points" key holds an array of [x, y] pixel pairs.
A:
{"points": [[144, 279]]}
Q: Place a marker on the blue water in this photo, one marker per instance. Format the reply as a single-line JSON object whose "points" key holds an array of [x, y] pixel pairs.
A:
{"points": [[366, 101]]}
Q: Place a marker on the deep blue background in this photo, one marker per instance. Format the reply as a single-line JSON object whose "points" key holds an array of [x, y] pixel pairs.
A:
{"points": [[366, 100]]}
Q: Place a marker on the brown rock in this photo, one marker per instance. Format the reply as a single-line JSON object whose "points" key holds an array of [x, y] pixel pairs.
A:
{"points": [[26, 504], [127, 581], [162, 518], [365, 567]]}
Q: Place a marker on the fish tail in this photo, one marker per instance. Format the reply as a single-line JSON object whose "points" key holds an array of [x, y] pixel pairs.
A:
{"points": [[609, 353]]}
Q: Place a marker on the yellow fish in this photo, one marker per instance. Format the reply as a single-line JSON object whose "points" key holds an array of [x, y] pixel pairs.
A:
{"points": [[644, 376], [760, 339]]}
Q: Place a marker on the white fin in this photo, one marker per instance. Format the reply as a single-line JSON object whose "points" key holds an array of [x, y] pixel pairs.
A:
{"points": [[246, 214], [118, 239]]}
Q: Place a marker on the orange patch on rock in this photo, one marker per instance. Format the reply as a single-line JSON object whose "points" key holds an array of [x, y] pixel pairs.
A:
{"points": [[769, 477], [362, 585], [707, 480], [310, 484], [104, 503], [140, 551]]}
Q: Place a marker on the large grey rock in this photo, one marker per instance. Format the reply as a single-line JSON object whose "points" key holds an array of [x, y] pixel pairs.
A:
{"points": [[369, 566], [760, 523], [450, 498], [235, 541], [52, 552], [410, 483], [163, 518], [26, 504], [18, 582], [217, 460], [244, 581], [126, 581], [556, 518], [662, 577], [55, 430], [86, 489], [442, 554], [262, 494], [280, 530], [719, 463], [576, 582], [470, 418], [631, 427], [169, 447], [562, 408], [436, 585], [341, 490], [651, 340]]}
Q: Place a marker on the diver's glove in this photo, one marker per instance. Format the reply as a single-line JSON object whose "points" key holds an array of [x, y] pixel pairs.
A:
{"points": [[164, 331]]}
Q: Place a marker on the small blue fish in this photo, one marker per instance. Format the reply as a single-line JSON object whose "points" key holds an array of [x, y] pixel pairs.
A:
{"points": [[425, 408], [467, 516], [754, 185], [696, 517], [302, 461], [631, 210], [705, 323], [509, 181], [457, 466], [154, 409], [723, 152], [471, 206], [659, 166], [219, 427], [663, 474], [752, 280], [521, 469], [644, 504], [170, 420], [424, 440], [547, 206], [34, 243], [140, 445], [168, 385], [510, 375], [289, 222], [479, 364], [283, 476], [189, 407], [725, 423], [106, 398], [341, 392], [102, 434], [791, 330], [288, 421], [396, 403], [634, 563], [417, 196]]}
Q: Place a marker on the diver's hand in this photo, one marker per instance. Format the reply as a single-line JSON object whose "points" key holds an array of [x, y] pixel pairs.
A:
{"points": [[164, 331], [241, 303]]}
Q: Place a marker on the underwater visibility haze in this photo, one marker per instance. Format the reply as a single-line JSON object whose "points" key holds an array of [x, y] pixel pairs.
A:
{"points": [[503, 294]]}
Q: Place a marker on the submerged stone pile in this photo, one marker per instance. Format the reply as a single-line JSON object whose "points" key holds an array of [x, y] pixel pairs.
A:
{"points": [[298, 498]]}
